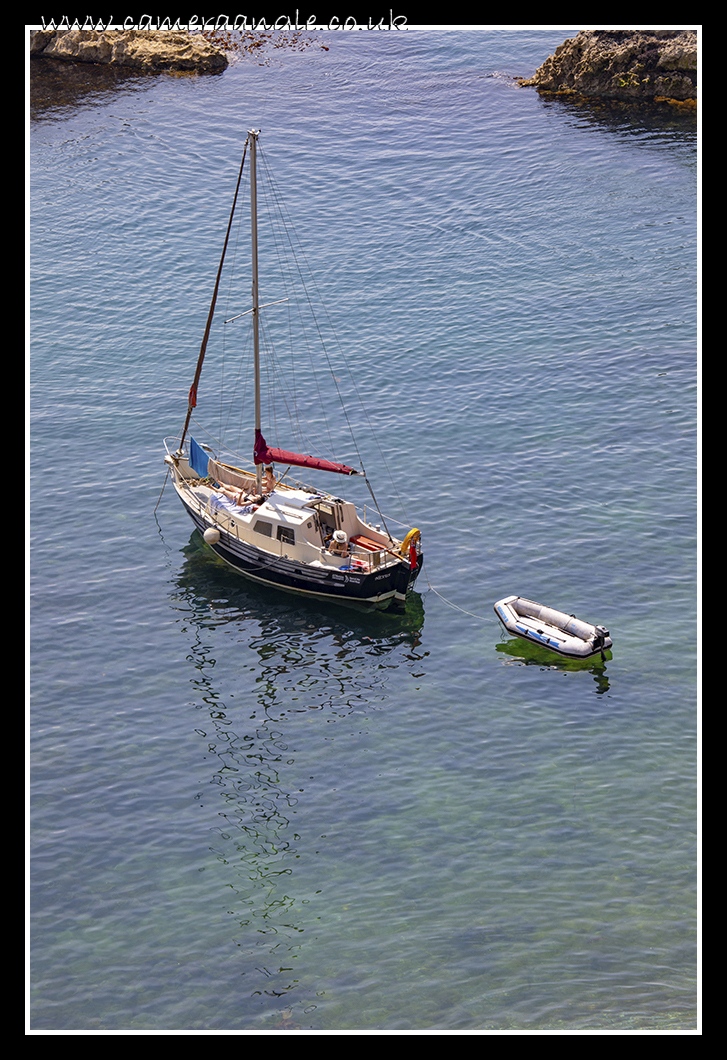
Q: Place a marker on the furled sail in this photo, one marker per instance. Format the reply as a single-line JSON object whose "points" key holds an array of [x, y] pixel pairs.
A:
{"points": [[264, 454]]}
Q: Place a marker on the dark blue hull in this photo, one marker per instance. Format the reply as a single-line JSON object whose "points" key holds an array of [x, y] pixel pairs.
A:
{"points": [[379, 588]]}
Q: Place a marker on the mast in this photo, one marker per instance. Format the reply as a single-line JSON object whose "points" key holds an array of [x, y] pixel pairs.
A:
{"points": [[252, 139]]}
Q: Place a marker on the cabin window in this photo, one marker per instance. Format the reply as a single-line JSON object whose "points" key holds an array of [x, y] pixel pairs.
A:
{"points": [[286, 535], [261, 527]]}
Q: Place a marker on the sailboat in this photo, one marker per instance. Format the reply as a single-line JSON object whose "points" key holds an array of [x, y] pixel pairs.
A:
{"points": [[266, 525]]}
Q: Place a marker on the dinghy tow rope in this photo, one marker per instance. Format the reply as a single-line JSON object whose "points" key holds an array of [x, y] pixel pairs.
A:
{"points": [[456, 606]]}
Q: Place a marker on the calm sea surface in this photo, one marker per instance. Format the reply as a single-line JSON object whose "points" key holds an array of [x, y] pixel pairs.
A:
{"points": [[250, 811]]}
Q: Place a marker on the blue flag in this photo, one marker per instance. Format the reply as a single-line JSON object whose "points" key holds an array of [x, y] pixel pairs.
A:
{"points": [[198, 459]]}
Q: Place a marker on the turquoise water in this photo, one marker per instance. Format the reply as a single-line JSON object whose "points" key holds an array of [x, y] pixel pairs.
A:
{"points": [[251, 812]]}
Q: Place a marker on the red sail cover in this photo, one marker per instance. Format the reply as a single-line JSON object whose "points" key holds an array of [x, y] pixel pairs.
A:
{"points": [[265, 455]]}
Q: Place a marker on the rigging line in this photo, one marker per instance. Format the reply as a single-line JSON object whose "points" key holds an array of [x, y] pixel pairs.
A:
{"points": [[285, 389], [291, 375], [213, 442], [237, 395], [238, 229], [269, 202], [280, 393], [242, 348], [276, 383], [456, 606], [376, 503], [287, 232], [297, 252], [193, 389], [327, 356]]}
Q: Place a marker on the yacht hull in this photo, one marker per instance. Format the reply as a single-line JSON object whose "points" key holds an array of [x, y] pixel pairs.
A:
{"points": [[377, 589]]}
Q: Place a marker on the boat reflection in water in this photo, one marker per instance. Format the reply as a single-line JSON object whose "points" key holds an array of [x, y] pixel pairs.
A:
{"points": [[273, 692], [521, 652]]}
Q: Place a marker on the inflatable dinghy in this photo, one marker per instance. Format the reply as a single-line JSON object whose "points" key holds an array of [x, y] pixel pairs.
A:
{"points": [[552, 629]]}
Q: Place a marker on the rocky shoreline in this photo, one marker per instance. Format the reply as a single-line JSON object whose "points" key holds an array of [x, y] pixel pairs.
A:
{"points": [[624, 65], [146, 50]]}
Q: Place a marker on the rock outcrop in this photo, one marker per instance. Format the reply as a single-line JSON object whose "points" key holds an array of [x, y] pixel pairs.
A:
{"points": [[630, 65], [146, 50]]}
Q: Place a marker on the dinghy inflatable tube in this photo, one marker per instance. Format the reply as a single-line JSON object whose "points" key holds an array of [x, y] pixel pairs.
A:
{"points": [[552, 629]]}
